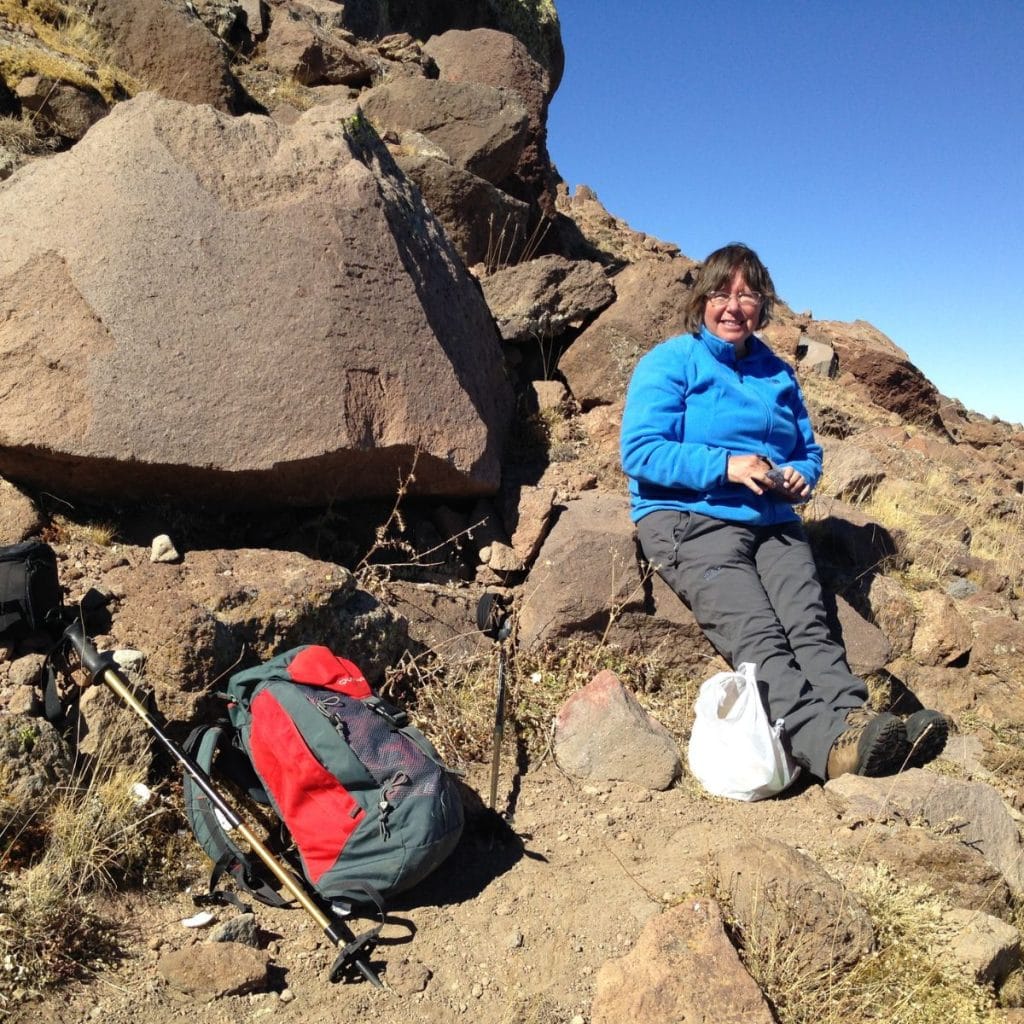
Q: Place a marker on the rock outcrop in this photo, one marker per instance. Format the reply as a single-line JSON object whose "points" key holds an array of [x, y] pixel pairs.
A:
{"points": [[196, 341]]}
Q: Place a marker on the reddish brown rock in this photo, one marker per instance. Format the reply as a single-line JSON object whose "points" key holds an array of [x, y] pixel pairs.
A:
{"points": [[867, 649], [942, 635], [893, 611], [501, 60], [586, 580], [892, 379], [168, 50], [299, 47], [539, 299], [602, 732], [781, 897], [683, 968], [175, 247], [482, 129], [648, 309], [486, 225]]}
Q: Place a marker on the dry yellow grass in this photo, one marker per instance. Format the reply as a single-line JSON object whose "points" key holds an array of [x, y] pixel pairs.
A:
{"points": [[93, 834], [71, 50], [907, 979]]}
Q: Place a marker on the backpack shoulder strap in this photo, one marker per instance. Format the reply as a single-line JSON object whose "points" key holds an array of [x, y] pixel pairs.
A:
{"points": [[208, 827]]}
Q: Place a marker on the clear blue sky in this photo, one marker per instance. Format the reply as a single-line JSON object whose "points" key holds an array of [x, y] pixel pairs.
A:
{"points": [[872, 152]]}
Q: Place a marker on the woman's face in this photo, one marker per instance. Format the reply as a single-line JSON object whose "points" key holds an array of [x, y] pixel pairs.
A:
{"points": [[734, 318]]}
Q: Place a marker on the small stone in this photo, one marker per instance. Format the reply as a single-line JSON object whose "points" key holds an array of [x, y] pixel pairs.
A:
{"points": [[514, 940], [163, 550], [129, 660], [287, 995], [237, 929], [407, 977], [477, 991]]}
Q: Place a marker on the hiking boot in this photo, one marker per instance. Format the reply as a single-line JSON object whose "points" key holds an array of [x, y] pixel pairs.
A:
{"points": [[927, 732], [873, 744]]}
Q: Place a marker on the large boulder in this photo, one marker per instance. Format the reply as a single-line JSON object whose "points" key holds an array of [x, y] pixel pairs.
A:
{"points": [[241, 311], [503, 61], [648, 309], [535, 22], [484, 224], [892, 380], [587, 580], [167, 48], [298, 46], [480, 128], [541, 298]]}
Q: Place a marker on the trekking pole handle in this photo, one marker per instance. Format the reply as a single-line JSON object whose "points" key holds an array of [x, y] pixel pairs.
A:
{"points": [[99, 667]]}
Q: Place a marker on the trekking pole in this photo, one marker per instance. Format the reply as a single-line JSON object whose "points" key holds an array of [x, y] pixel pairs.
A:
{"points": [[98, 667], [493, 621]]}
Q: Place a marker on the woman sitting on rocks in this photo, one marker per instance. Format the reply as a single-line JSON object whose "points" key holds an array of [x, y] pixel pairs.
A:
{"points": [[718, 448]]}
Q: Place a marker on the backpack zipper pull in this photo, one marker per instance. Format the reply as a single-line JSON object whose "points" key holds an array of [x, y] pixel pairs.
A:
{"points": [[385, 806]]}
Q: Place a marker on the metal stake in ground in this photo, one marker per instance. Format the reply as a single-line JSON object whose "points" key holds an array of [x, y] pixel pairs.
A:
{"points": [[98, 667], [493, 620]]}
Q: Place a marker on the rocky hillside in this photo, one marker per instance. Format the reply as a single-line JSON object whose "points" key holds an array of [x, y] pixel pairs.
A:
{"points": [[305, 340]]}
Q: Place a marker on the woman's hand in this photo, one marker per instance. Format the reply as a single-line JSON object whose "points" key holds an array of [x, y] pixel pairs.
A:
{"points": [[752, 471], [790, 485]]}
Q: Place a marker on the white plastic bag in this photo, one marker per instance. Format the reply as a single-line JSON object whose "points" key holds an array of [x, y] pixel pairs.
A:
{"points": [[734, 750]]}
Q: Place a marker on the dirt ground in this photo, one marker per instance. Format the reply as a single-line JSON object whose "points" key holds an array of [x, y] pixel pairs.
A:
{"points": [[512, 929]]}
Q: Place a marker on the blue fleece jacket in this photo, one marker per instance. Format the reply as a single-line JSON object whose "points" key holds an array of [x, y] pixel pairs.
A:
{"points": [[690, 405]]}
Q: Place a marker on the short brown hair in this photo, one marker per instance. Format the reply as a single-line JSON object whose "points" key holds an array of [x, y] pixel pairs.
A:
{"points": [[716, 274]]}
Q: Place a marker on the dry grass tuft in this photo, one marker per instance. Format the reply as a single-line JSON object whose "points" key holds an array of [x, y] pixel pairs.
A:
{"points": [[271, 88], [18, 135], [71, 49], [908, 979], [94, 836], [931, 514], [94, 532]]}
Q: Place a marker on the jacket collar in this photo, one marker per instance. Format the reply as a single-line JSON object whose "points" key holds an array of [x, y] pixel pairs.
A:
{"points": [[725, 351]]}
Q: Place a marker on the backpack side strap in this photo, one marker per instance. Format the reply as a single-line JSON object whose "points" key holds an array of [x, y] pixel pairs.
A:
{"points": [[212, 836]]}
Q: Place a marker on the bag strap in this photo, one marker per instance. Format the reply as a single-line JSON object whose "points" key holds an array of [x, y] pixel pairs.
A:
{"points": [[208, 828]]}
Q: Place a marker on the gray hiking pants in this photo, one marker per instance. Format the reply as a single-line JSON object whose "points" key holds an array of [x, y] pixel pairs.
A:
{"points": [[755, 593]]}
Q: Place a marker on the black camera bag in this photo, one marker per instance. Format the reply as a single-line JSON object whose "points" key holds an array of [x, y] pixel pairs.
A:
{"points": [[30, 594]]}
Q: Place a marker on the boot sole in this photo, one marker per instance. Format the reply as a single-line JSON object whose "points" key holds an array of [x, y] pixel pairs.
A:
{"points": [[885, 747], [927, 744]]}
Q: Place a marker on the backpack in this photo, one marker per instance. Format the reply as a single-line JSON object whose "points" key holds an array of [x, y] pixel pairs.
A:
{"points": [[363, 794], [30, 594]]}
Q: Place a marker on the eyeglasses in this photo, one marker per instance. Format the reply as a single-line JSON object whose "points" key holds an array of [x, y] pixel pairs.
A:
{"points": [[747, 300]]}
